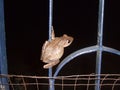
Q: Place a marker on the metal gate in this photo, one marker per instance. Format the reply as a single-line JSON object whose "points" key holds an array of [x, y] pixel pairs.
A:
{"points": [[97, 80]]}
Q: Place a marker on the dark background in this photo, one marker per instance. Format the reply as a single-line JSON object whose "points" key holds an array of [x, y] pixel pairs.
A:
{"points": [[26, 25]]}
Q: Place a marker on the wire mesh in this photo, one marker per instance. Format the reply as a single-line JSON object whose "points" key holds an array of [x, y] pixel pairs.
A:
{"points": [[72, 82]]}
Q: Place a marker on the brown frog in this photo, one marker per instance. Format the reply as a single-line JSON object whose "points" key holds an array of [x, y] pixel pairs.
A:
{"points": [[53, 50]]}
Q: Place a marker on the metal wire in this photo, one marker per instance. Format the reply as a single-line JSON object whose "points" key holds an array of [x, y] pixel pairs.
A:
{"points": [[22, 82]]}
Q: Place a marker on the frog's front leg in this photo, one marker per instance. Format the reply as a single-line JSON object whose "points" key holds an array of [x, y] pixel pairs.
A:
{"points": [[53, 33], [51, 64]]}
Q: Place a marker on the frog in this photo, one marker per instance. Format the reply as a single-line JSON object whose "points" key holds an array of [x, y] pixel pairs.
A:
{"points": [[53, 50]]}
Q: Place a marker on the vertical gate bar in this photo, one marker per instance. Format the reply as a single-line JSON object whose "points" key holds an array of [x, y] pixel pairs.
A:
{"points": [[3, 58], [50, 18], [99, 43], [51, 82]]}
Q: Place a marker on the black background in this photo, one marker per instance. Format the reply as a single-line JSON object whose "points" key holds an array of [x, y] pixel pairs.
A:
{"points": [[26, 25]]}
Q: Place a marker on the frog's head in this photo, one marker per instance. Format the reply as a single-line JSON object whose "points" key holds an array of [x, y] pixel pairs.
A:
{"points": [[67, 40]]}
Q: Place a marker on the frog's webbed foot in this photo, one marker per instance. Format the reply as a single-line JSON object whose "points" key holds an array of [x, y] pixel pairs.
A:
{"points": [[49, 65]]}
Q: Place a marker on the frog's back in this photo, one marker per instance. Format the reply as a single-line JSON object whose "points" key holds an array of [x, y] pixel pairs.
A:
{"points": [[53, 52]]}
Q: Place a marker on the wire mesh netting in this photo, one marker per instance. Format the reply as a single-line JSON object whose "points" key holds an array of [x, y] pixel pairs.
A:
{"points": [[72, 82]]}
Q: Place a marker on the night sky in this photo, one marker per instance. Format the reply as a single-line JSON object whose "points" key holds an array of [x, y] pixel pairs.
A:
{"points": [[26, 24]]}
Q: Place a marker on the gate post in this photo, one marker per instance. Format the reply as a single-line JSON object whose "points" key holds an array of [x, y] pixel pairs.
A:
{"points": [[3, 59]]}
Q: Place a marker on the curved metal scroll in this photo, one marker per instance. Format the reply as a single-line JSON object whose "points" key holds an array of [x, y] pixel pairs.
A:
{"points": [[81, 52]]}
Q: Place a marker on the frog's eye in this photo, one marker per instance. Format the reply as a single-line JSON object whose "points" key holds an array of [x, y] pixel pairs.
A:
{"points": [[68, 41]]}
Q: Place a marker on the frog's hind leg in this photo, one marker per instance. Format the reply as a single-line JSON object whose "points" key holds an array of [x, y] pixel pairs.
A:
{"points": [[43, 49], [49, 65]]}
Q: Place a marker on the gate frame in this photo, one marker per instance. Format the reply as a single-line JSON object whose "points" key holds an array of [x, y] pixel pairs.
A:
{"points": [[99, 48]]}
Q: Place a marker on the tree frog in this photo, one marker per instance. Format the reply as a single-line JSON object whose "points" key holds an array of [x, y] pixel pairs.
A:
{"points": [[53, 50]]}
